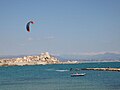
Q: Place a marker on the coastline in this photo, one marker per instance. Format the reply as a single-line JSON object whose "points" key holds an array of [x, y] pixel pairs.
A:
{"points": [[43, 59]]}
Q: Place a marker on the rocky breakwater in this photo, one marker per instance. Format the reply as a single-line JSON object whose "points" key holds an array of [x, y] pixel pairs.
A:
{"points": [[103, 69], [42, 59]]}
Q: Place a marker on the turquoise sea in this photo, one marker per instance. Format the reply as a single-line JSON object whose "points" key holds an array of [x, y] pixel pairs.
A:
{"points": [[57, 77]]}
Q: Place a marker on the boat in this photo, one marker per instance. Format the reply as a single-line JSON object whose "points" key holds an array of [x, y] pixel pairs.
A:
{"points": [[78, 74]]}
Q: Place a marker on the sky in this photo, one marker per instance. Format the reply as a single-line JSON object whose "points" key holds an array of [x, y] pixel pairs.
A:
{"points": [[60, 26]]}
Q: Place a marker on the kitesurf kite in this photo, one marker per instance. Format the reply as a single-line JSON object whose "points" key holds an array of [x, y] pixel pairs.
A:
{"points": [[28, 25]]}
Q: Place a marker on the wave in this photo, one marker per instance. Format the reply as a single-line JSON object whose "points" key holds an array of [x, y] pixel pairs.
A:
{"points": [[62, 70], [58, 70], [51, 69]]}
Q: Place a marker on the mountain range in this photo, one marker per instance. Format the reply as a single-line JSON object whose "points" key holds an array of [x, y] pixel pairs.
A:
{"points": [[104, 56]]}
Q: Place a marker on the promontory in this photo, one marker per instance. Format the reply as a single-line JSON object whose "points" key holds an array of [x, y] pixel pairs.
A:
{"points": [[42, 59]]}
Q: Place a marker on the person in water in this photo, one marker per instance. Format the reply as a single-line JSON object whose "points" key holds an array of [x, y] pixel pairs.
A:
{"points": [[71, 69]]}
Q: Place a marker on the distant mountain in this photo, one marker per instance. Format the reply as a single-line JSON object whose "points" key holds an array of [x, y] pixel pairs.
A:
{"points": [[11, 56], [105, 56], [112, 56]]}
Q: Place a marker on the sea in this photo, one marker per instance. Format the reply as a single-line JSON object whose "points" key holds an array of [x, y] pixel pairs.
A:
{"points": [[58, 77]]}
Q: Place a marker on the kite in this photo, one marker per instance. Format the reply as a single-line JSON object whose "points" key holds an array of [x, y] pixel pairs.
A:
{"points": [[28, 25]]}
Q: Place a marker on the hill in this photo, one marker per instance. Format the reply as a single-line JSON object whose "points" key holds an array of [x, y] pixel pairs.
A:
{"points": [[105, 56]]}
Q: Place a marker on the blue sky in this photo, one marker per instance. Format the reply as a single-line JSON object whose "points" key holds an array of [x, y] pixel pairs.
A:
{"points": [[61, 26]]}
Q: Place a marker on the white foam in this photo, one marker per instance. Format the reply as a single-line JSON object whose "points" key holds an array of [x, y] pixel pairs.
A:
{"points": [[61, 70]]}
